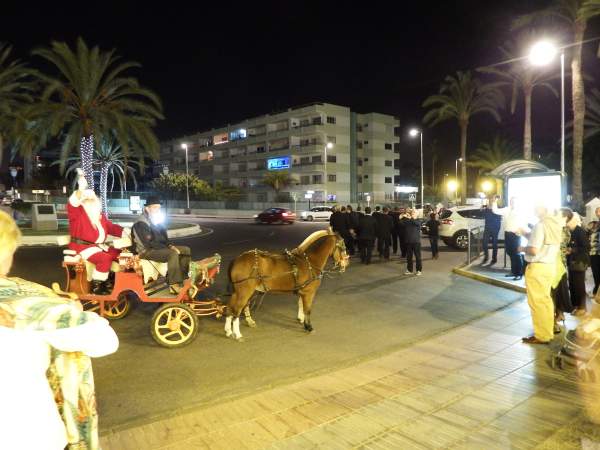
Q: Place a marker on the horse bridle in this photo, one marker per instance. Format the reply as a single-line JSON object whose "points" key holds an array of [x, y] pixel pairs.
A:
{"points": [[338, 266]]}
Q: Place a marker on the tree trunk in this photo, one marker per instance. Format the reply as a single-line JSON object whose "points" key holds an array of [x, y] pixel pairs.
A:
{"points": [[578, 115], [463, 155], [86, 150], [27, 170], [103, 187], [527, 128]]}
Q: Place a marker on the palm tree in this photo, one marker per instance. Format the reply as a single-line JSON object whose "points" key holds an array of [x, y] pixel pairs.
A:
{"points": [[592, 118], [575, 14], [90, 100], [489, 155], [278, 180], [461, 97], [522, 78], [112, 164], [16, 90]]}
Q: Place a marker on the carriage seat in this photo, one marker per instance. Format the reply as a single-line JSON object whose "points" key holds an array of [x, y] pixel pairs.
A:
{"points": [[72, 257], [151, 269]]}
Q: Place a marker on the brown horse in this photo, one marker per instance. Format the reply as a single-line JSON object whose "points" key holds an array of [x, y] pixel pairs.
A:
{"points": [[300, 270]]}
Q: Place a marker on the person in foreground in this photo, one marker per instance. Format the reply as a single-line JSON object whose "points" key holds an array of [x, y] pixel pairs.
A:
{"points": [[45, 347], [541, 253], [151, 242]]}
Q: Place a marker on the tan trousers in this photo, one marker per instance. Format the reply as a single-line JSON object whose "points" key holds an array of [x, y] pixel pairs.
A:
{"points": [[538, 282]]}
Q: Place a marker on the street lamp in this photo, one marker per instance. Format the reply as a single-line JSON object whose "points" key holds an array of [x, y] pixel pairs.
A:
{"points": [[328, 146], [413, 133], [456, 175], [452, 186], [541, 54], [486, 186], [187, 175]]}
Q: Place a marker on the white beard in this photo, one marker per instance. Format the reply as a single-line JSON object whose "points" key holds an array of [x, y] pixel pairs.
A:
{"points": [[93, 209]]}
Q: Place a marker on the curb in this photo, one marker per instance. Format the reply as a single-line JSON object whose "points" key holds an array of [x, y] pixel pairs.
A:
{"points": [[460, 270], [51, 240]]}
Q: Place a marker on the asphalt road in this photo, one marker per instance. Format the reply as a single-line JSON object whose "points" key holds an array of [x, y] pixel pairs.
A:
{"points": [[363, 313]]}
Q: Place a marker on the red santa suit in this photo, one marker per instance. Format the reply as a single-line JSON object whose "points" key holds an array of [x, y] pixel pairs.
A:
{"points": [[91, 232]]}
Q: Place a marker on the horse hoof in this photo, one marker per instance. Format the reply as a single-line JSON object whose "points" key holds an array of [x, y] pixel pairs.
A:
{"points": [[228, 335], [239, 339], [308, 328], [251, 323], [300, 320]]}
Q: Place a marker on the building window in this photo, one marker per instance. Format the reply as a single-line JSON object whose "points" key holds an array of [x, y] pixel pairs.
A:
{"points": [[359, 178], [305, 179], [359, 128], [317, 179], [331, 177], [388, 164], [304, 123], [366, 159], [388, 180], [317, 120], [360, 161], [260, 149], [331, 120], [396, 147], [359, 145], [305, 160], [317, 159], [366, 125], [388, 146], [366, 142], [366, 177], [331, 158], [331, 139]]}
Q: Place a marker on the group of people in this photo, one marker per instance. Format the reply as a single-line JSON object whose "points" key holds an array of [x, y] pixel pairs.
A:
{"points": [[553, 255], [387, 230]]}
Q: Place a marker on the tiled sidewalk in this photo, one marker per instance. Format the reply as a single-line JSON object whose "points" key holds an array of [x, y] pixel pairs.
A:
{"points": [[476, 387]]}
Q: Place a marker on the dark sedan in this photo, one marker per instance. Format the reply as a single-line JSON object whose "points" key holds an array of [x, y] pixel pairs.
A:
{"points": [[276, 215]]}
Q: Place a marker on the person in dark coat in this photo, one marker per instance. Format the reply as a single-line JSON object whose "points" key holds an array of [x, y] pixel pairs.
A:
{"points": [[578, 261], [401, 233], [433, 225], [376, 216], [367, 232], [395, 215], [340, 223], [384, 234], [412, 236], [353, 217], [490, 232]]}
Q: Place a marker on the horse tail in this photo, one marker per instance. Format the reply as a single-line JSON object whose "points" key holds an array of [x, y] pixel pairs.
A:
{"points": [[229, 282]]}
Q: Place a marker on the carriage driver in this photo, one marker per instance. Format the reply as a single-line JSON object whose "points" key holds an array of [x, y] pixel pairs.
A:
{"points": [[89, 228], [151, 242]]}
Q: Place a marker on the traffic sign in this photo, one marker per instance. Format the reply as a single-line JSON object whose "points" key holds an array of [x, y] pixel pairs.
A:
{"points": [[412, 197]]}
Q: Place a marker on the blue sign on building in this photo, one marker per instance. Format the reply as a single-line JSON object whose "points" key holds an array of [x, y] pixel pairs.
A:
{"points": [[280, 163]]}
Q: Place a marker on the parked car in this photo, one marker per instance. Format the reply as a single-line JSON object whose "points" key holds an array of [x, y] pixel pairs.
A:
{"points": [[316, 213], [276, 215], [456, 222]]}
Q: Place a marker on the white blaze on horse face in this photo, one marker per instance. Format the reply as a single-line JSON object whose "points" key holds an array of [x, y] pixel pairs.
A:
{"points": [[236, 328], [228, 331], [300, 310]]}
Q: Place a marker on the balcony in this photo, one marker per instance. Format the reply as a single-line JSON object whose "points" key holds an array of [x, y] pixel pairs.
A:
{"points": [[308, 167]]}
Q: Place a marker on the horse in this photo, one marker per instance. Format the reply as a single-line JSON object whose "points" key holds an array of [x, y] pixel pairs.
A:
{"points": [[300, 271]]}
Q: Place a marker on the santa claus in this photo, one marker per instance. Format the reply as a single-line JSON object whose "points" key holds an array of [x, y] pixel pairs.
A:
{"points": [[89, 228]]}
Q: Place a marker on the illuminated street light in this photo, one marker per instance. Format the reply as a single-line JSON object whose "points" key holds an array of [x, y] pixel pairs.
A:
{"points": [[414, 132], [541, 54], [452, 185], [187, 175], [487, 186]]}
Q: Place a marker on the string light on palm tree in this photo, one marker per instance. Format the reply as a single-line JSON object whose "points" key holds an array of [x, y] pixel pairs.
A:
{"points": [[187, 176]]}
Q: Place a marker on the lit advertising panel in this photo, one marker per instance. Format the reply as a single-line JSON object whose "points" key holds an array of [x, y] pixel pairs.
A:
{"points": [[532, 190], [283, 162]]}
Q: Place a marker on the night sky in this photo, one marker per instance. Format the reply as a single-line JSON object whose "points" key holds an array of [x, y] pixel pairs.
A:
{"points": [[219, 63]]}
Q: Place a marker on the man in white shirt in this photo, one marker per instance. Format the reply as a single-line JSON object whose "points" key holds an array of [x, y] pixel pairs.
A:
{"points": [[515, 225], [541, 254]]}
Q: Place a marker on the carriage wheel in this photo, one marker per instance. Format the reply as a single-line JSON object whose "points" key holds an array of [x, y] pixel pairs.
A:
{"points": [[119, 309], [90, 306], [174, 325]]}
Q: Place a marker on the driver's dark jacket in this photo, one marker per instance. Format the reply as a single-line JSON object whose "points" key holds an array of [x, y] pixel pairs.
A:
{"points": [[147, 236]]}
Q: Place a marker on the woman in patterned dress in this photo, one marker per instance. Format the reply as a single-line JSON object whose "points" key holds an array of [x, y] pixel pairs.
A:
{"points": [[47, 399]]}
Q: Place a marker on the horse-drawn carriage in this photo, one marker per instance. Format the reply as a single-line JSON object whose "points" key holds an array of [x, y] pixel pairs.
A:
{"points": [[175, 321]]}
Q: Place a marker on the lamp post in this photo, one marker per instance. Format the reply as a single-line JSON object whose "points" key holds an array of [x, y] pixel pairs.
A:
{"points": [[541, 54], [187, 175], [452, 186], [456, 177], [414, 133], [328, 146]]}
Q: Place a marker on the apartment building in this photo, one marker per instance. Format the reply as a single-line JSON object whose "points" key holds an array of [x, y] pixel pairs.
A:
{"points": [[330, 152]]}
